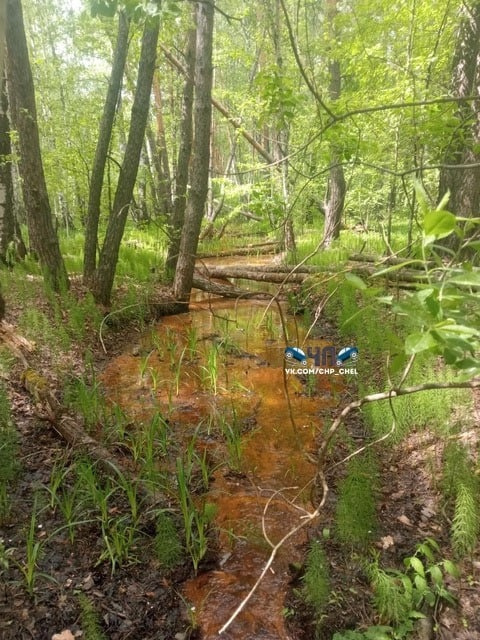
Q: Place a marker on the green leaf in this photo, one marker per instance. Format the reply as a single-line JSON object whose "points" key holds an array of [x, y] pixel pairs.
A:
{"points": [[417, 342], [458, 329], [417, 565], [421, 585], [355, 281], [416, 615], [439, 224], [444, 201], [436, 574], [467, 278], [451, 568]]}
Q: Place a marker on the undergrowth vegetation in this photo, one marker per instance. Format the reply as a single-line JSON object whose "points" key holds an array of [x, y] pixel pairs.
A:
{"points": [[408, 339], [394, 350]]}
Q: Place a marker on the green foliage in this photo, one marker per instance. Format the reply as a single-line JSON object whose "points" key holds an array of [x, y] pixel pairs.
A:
{"points": [[87, 399], [444, 311], [196, 519], [402, 596], [461, 485], [466, 518], [355, 512], [89, 619], [392, 593], [168, 547], [316, 587], [9, 453]]}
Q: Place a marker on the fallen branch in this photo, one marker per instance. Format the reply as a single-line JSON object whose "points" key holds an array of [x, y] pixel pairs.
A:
{"points": [[249, 249], [250, 274], [15, 342], [227, 290], [384, 395]]}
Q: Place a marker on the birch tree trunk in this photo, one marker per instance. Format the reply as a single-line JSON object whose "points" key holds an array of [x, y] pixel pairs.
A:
{"points": [[201, 153]]}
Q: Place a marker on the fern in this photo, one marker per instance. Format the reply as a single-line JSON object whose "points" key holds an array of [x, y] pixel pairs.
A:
{"points": [[460, 483], [392, 599], [90, 620], [356, 517], [316, 588], [466, 519], [168, 546]]}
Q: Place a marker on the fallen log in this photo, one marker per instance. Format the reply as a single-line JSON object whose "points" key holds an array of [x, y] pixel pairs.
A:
{"points": [[15, 342], [226, 290], [249, 249], [284, 273], [252, 274]]}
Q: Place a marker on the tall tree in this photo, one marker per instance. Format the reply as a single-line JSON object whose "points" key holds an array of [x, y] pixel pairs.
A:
{"points": [[103, 143], [42, 235], [105, 273], [7, 225], [184, 152], [336, 186], [201, 152], [464, 182], [4, 185]]}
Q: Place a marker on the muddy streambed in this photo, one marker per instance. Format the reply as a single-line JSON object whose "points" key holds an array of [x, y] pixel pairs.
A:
{"points": [[216, 376]]}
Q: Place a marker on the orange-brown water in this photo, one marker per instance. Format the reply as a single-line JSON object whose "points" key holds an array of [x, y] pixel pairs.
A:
{"points": [[266, 481]]}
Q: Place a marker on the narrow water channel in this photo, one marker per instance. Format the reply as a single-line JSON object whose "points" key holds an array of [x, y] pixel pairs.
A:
{"points": [[216, 373]]}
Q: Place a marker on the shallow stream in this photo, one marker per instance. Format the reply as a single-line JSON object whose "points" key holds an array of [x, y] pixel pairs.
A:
{"points": [[217, 375]]}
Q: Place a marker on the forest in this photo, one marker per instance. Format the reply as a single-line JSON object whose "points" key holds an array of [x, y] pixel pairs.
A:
{"points": [[239, 319]]}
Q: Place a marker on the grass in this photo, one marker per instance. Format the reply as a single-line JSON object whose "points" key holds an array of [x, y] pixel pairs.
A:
{"points": [[9, 454]]}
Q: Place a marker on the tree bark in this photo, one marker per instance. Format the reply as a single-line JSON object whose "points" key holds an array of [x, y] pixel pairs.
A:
{"points": [[183, 162], [43, 238], [103, 143], [464, 184], [336, 187], [163, 171], [3, 23], [105, 274], [7, 224], [201, 153]]}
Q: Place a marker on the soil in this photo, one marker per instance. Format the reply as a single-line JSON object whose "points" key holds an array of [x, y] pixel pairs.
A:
{"points": [[142, 601]]}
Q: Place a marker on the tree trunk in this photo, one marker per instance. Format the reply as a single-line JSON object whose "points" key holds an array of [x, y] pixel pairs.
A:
{"points": [[7, 225], [464, 184], [103, 143], [183, 162], [43, 238], [164, 181], [201, 153], [3, 23], [103, 281], [336, 187]]}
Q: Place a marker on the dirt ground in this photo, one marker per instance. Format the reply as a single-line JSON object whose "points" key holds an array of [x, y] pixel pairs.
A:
{"points": [[143, 602]]}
